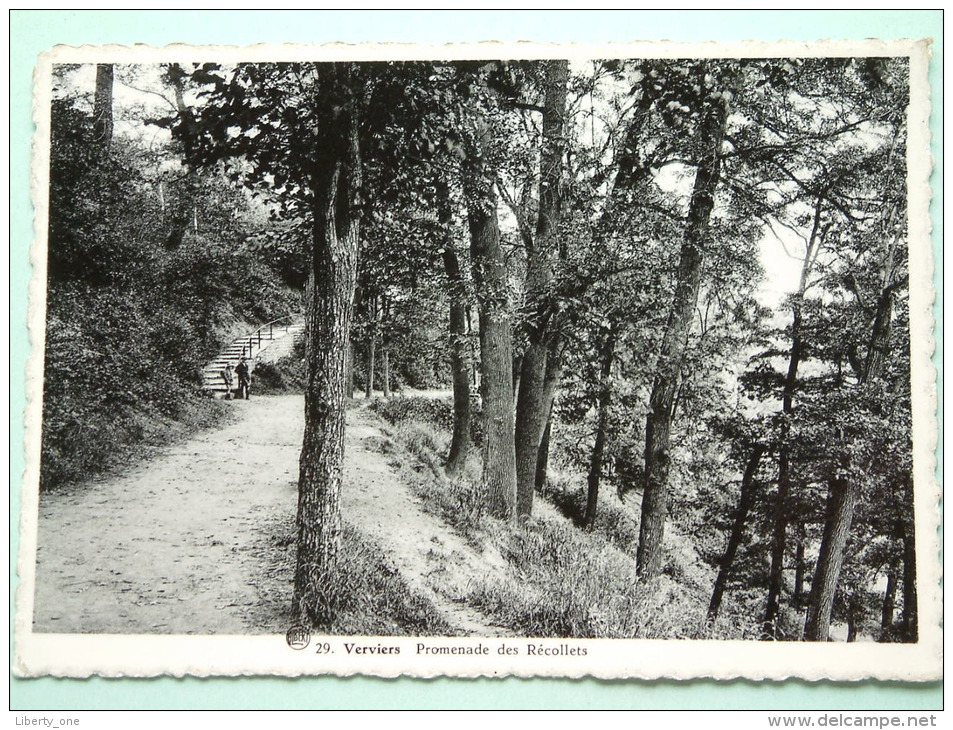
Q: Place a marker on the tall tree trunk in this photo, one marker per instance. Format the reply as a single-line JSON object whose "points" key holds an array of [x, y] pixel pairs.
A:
{"points": [[800, 567], [183, 205], [531, 406], [842, 498], [658, 426], [103, 105], [336, 183], [782, 499], [550, 384], [909, 616], [459, 347], [371, 348], [602, 425], [496, 336], [844, 493], [542, 458], [745, 502], [385, 345], [890, 599]]}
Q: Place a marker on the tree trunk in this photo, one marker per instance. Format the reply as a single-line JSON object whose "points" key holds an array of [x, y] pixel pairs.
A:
{"points": [[844, 492], [183, 211], [336, 182], [890, 599], [779, 540], [496, 337], [531, 406], [851, 620], [103, 105], [909, 618], [550, 383], [371, 349], [598, 449], [542, 459], [385, 345], [459, 349], [658, 426], [745, 502], [385, 372], [842, 498], [800, 568], [781, 506]]}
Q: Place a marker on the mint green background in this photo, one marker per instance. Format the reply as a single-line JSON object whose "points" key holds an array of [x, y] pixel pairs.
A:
{"points": [[32, 32]]}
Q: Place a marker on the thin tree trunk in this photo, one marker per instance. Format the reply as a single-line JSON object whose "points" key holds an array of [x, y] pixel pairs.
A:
{"points": [[890, 599], [745, 502], [459, 348], [851, 620], [496, 337], [542, 459], [800, 567], [103, 105], [371, 349], [909, 616], [655, 496], [781, 505], [550, 384], [385, 346], [385, 372], [336, 184], [598, 449], [531, 405]]}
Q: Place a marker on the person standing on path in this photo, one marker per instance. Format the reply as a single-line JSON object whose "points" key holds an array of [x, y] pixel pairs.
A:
{"points": [[229, 381], [244, 378]]}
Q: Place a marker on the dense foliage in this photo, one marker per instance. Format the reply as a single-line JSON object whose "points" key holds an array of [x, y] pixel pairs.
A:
{"points": [[149, 274]]}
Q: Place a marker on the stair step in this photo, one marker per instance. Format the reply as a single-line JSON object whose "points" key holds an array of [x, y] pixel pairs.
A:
{"points": [[248, 346]]}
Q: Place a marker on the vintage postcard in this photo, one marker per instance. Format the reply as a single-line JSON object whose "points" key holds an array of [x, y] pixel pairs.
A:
{"points": [[482, 360]]}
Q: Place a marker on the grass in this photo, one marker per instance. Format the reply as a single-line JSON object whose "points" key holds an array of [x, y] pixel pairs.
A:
{"points": [[371, 599], [560, 580], [101, 447], [368, 597]]}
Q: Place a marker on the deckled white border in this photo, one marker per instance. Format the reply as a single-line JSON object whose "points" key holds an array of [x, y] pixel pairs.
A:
{"points": [[81, 655]]}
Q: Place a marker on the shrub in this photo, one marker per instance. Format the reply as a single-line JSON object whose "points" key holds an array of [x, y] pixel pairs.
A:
{"points": [[576, 584], [435, 411], [288, 374]]}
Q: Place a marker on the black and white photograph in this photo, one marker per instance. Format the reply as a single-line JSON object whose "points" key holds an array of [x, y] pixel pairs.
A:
{"points": [[401, 363]]}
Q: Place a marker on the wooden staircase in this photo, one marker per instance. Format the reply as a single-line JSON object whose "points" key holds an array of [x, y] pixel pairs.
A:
{"points": [[276, 337]]}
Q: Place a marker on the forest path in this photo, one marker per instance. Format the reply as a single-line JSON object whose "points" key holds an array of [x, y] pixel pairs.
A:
{"points": [[196, 540]]}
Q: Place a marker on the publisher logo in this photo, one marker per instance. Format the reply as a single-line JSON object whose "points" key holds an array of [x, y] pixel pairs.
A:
{"points": [[298, 637]]}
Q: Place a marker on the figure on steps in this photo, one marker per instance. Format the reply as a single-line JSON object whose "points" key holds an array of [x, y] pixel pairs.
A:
{"points": [[229, 381], [244, 378]]}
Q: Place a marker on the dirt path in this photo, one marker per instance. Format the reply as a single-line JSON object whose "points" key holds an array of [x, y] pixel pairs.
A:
{"points": [[187, 542]]}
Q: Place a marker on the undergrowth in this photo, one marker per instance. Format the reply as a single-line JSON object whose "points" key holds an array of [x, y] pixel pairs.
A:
{"points": [[287, 375], [366, 594], [560, 580]]}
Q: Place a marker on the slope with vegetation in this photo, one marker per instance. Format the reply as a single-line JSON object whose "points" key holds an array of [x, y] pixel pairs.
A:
{"points": [[152, 268]]}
